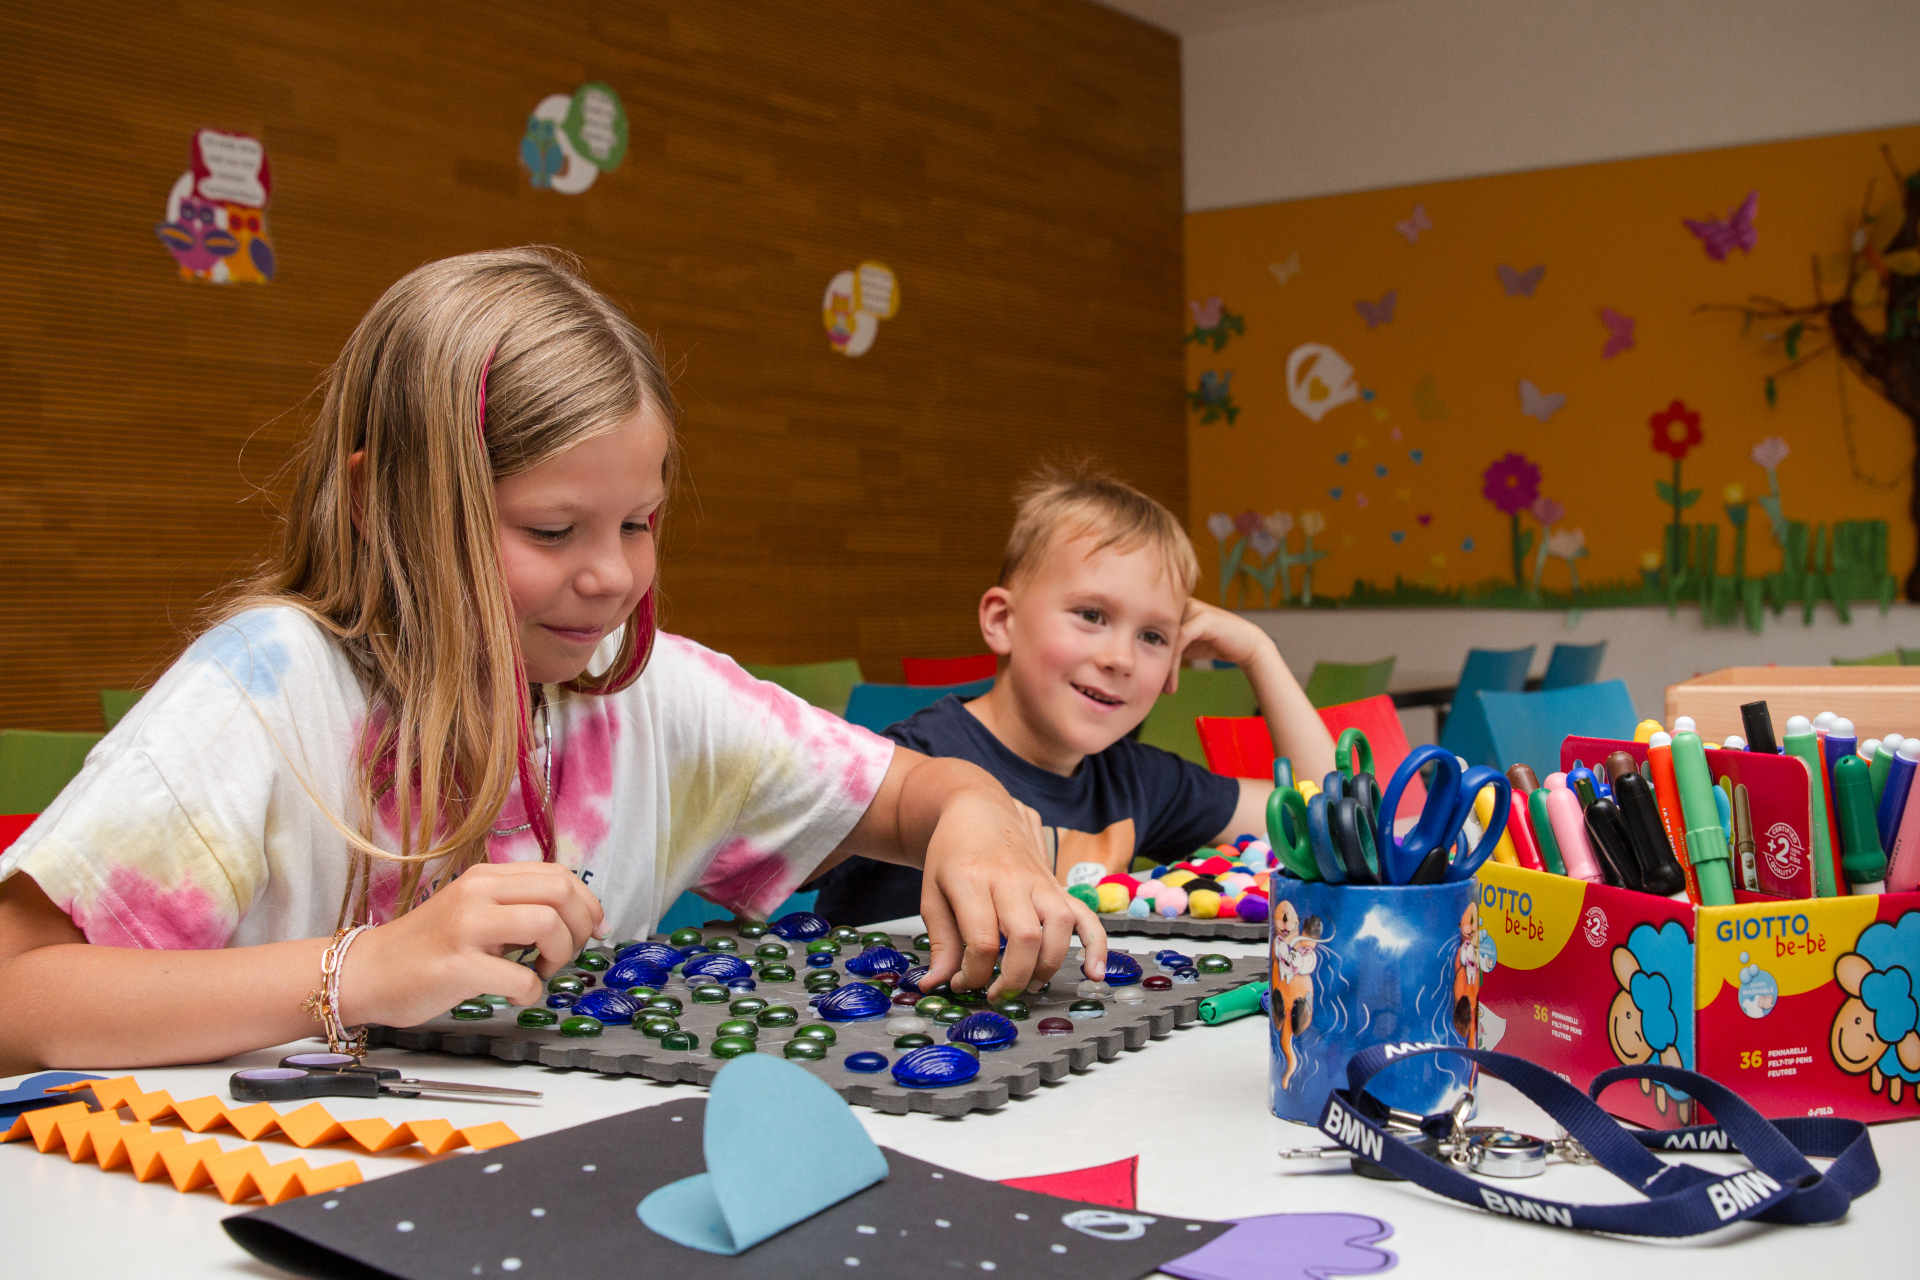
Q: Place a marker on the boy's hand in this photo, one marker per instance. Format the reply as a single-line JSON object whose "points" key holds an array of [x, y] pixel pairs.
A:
{"points": [[987, 877], [1210, 632]]}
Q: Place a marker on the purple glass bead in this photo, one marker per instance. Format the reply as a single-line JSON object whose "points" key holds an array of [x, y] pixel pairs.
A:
{"points": [[718, 966], [866, 1061], [658, 954], [934, 1066], [1122, 969], [614, 1008], [1158, 982], [855, 1002], [634, 973], [801, 926], [1054, 1026], [984, 1030], [877, 960]]}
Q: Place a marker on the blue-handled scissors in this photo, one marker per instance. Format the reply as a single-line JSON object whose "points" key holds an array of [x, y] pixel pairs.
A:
{"points": [[1427, 853]]}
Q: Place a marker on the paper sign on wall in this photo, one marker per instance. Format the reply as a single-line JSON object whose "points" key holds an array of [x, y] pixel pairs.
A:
{"points": [[570, 138], [216, 218], [856, 302]]}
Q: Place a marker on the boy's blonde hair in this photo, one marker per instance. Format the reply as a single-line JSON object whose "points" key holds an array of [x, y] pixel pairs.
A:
{"points": [[1059, 504], [466, 371]]}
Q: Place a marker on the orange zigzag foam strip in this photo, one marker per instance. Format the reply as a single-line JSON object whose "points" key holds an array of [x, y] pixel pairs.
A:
{"points": [[310, 1126], [113, 1143]]}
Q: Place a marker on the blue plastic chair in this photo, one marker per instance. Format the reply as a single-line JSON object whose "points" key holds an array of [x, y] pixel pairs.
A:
{"points": [[875, 706], [692, 909], [1485, 670], [1571, 664], [1527, 728]]}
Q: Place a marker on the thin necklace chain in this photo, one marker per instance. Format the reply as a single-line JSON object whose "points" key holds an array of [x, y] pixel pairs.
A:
{"points": [[546, 749]]}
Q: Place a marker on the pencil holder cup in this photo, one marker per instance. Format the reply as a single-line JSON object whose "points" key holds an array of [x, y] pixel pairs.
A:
{"points": [[1355, 966]]}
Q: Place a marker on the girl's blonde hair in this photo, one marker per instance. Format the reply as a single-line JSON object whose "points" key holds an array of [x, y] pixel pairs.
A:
{"points": [[1058, 504], [466, 371]]}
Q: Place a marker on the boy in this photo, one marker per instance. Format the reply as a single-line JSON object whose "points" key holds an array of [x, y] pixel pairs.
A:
{"points": [[1091, 619]]}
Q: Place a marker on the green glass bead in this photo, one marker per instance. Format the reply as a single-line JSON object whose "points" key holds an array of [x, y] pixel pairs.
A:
{"points": [[844, 933], [876, 939], [580, 1025], [571, 983], [724, 943], [911, 1040], [923, 942], [972, 999], [498, 1002], [655, 1025], [594, 960], [912, 958], [732, 1046], [665, 1004], [681, 1040], [1013, 1007], [817, 1031], [746, 1006], [738, 1027], [538, 1017], [776, 973], [951, 1014], [685, 937], [930, 1006], [710, 993], [624, 943], [750, 928], [1212, 963], [472, 1010], [771, 950], [823, 946], [643, 994], [777, 1015], [804, 1049], [820, 980], [964, 1047], [1087, 1009]]}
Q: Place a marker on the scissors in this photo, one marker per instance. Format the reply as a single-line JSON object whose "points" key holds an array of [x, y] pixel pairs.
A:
{"points": [[1342, 831], [1287, 829], [341, 1075], [1436, 848], [1353, 771]]}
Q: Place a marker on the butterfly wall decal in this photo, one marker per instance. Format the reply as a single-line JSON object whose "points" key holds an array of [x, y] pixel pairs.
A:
{"points": [[1536, 403], [1721, 236], [1376, 313], [1521, 284], [1619, 333], [1285, 271], [1414, 223]]}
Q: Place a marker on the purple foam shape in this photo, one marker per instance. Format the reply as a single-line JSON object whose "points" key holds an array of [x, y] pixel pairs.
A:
{"points": [[1290, 1246]]}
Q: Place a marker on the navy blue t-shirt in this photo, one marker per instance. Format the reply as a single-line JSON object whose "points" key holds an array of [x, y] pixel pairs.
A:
{"points": [[1128, 801]]}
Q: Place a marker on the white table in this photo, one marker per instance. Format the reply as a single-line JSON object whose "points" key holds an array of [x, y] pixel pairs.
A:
{"points": [[1193, 1107]]}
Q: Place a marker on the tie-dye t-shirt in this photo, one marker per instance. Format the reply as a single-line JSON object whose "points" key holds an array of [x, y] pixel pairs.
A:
{"points": [[206, 818]]}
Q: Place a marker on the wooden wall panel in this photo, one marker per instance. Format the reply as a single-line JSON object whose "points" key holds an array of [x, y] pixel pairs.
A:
{"points": [[1017, 164]]}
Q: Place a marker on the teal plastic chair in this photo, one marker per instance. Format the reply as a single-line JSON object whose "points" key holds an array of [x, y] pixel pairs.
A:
{"points": [[692, 909], [824, 684], [1485, 670], [1527, 728], [875, 706], [36, 763], [1202, 692], [115, 703], [1333, 683], [1571, 664]]}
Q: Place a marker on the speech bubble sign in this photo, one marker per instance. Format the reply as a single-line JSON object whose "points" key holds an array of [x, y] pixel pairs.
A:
{"points": [[230, 167], [596, 124]]}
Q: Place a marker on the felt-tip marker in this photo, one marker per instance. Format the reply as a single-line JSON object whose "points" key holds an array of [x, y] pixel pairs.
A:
{"points": [[1237, 1003], [1734, 742], [1707, 846], [1801, 744], [1882, 762], [1759, 726], [1538, 822], [1570, 831], [1646, 729], [1895, 800], [1862, 859], [1659, 868], [1744, 847], [1666, 794], [1903, 859]]}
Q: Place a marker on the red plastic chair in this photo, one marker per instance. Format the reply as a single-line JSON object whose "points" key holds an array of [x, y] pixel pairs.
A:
{"points": [[926, 671], [12, 826], [1239, 747]]}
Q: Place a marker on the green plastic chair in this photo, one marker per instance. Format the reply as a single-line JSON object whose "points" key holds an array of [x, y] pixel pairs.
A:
{"points": [[1202, 692], [115, 703], [824, 684], [1332, 683], [36, 763], [1891, 658], [1910, 657]]}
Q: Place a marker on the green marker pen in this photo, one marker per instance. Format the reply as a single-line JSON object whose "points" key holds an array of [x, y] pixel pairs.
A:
{"points": [[1801, 743], [1543, 832], [1237, 1003], [1861, 857], [1883, 764], [1706, 839]]}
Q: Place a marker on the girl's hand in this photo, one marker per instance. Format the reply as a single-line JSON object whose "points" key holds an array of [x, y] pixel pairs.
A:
{"points": [[1210, 632], [986, 876], [453, 946]]}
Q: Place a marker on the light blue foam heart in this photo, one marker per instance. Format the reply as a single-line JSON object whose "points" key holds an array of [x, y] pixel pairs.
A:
{"points": [[761, 1114], [1341, 458], [1399, 535], [1379, 469], [1335, 494], [1417, 455]]}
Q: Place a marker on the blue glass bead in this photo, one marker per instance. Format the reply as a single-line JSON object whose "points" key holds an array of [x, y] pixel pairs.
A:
{"points": [[719, 966], [801, 926], [984, 1030], [697, 949], [742, 985], [658, 954], [612, 1008], [853, 1003], [1186, 973], [934, 1066], [866, 1061], [910, 980], [1172, 959], [561, 1000], [635, 973], [877, 960], [1122, 969], [821, 960]]}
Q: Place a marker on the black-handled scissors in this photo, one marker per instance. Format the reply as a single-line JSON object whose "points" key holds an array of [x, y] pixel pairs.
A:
{"points": [[341, 1075]]}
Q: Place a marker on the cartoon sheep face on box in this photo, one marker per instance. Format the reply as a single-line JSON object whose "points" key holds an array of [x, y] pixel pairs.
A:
{"points": [[1650, 1020], [1876, 1030]]}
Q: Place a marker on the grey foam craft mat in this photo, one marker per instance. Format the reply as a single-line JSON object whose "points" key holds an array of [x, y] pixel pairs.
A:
{"points": [[1013, 1072], [1235, 930]]}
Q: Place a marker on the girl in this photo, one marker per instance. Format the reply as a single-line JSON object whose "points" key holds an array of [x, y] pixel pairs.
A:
{"points": [[440, 727]]}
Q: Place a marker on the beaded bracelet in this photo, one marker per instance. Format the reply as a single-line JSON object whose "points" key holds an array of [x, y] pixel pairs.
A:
{"points": [[324, 1002]]}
